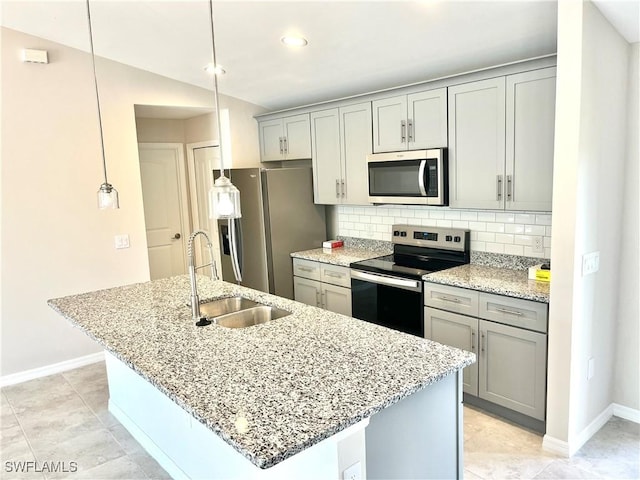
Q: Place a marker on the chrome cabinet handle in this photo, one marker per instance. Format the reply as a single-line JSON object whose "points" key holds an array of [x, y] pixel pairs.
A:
{"points": [[473, 340], [177, 236], [482, 342], [499, 187], [509, 187], [449, 299], [337, 188], [286, 145], [333, 274], [403, 131], [410, 124], [281, 149], [342, 189], [305, 269], [318, 304], [510, 312]]}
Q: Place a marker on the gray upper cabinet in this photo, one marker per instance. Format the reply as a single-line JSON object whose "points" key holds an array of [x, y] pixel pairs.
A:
{"points": [[286, 138], [341, 140], [477, 144], [410, 122], [531, 105], [501, 142]]}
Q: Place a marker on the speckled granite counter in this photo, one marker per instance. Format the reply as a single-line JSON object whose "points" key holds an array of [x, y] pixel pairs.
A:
{"points": [[503, 281], [341, 256], [298, 379]]}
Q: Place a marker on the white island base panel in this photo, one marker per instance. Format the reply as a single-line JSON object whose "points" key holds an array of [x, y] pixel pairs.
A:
{"points": [[419, 437]]}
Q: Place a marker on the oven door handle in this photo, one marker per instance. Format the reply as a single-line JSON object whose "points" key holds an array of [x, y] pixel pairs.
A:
{"points": [[413, 285], [422, 177]]}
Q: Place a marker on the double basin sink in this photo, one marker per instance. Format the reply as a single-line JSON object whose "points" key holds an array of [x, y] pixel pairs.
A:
{"points": [[239, 312]]}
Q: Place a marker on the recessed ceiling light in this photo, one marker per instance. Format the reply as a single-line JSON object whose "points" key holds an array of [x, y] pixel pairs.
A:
{"points": [[218, 70], [294, 41]]}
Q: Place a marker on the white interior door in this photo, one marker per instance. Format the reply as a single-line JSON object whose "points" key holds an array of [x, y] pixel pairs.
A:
{"points": [[165, 207], [202, 161]]}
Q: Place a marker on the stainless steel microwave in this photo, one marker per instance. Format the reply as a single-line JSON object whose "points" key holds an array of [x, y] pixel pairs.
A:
{"points": [[418, 177]]}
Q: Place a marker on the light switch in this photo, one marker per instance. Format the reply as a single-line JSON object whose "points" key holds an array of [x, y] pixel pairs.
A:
{"points": [[590, 263], [122, 241]]}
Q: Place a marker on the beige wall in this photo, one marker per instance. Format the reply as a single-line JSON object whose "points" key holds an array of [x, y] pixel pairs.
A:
{"points": [[627, 378], [589, 167], [55, 241]]}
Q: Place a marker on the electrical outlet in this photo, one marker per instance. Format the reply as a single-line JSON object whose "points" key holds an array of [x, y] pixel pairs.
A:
{"points": [[590, 263], [354, 472], [122, 241], [537, 244], [591, 367]]}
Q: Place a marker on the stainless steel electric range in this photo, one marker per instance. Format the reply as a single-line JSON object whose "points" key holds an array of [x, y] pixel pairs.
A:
{"points": [[388, 290]]}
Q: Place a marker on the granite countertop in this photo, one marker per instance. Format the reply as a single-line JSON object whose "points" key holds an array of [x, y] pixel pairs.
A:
{"points": [[297, 380], [503, 281], [343, 256]]}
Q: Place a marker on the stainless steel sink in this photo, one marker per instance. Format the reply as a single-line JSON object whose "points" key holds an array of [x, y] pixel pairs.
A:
{"points": [[224, 306], [251, 316]]}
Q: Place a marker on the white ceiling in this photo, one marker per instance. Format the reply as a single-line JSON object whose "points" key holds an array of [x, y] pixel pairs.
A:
{"points": [[354, 47]]}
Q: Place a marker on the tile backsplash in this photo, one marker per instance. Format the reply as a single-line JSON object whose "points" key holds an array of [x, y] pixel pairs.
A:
{"points": [[496, 232]]}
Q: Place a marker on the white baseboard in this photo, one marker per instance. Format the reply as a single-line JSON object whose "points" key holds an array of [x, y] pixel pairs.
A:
{"points": [[47, 370], [553, 445], [567, 449], [627, 413]]}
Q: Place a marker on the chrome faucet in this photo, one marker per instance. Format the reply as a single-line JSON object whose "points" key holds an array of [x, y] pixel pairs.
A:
{"points": [[195, 300]]}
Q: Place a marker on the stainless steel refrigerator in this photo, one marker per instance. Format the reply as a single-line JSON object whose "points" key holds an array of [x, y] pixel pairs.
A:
{"points": [[278, 217]]}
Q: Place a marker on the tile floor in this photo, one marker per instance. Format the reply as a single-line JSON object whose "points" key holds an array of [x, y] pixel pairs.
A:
{"points": [[64, 418]]}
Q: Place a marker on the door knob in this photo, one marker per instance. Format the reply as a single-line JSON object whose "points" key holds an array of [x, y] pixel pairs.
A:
{"points": [[177, 236]]}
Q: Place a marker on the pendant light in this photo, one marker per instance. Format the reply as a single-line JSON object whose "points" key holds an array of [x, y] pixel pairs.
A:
{"points": [[224, 197], [107, 195]]}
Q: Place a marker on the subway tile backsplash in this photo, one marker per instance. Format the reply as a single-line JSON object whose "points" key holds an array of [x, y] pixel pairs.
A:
{"points": [[494, 232]]}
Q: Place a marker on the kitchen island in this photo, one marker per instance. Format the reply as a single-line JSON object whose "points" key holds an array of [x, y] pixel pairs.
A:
{"points": [[294, 397]]}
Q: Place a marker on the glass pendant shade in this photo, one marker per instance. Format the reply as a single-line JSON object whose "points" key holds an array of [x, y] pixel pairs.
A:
{"points": [[107, 197], [224, 200]]}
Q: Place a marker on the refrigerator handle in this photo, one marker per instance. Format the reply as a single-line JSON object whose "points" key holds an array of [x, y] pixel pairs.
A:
{"points": [[234, 247]]}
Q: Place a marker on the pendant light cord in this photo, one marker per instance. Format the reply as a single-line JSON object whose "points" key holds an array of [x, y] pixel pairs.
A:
{"points": [[95, 82], [215, 88]]}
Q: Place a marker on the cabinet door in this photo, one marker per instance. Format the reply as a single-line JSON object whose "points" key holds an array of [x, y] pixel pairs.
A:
{"points": [[389, 116], [325, 134], [427, 122], [297, 137], [456, 331], [513, 368], [306, 291], [355, 138], [336, 299], [531, 105], [271, 141], [476, 144]]}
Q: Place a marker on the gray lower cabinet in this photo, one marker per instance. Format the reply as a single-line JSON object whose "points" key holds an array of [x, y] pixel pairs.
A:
{"points": [[508, 335], [457, 331], [322, 285], [512, 366]]}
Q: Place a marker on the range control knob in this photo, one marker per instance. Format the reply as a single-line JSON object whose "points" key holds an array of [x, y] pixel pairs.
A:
{"points": [[448, 238], [396, 233], [456, 239], [403, 234]]}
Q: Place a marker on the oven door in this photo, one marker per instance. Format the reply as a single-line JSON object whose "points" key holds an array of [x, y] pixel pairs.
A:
{"points": [[392, 302]]}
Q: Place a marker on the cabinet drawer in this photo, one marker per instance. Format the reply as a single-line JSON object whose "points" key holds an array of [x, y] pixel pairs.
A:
{"points": [[306, 269], [335, 275], [452, 299], [514, 311]]}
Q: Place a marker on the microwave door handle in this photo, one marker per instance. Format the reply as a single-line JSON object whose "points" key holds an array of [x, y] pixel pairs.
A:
{"points": [[422, 177]]}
